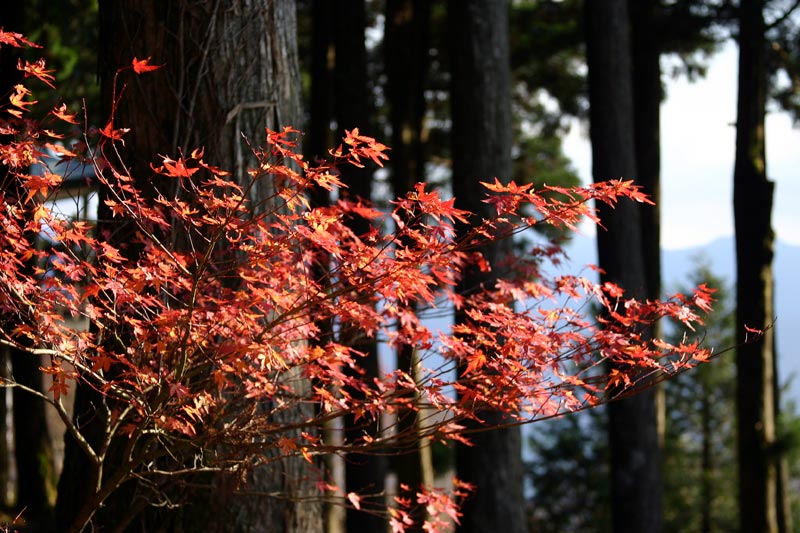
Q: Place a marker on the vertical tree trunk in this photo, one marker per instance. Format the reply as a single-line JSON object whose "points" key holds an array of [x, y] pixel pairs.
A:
{"points": [[481, 149], [364, 474], [318, 141], [230, 68], [647, 96], [33, 452], [406, 42], [633, 435], [752, 201]]}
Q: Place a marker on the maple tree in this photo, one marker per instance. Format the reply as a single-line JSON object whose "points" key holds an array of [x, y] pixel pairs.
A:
{"points": [[205, 336]]}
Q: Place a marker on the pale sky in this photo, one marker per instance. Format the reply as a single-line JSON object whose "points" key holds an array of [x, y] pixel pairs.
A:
{"points": [[697, 154]]}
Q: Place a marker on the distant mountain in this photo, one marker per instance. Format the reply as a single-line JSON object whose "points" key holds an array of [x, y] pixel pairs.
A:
{"points": [[720, 256]]}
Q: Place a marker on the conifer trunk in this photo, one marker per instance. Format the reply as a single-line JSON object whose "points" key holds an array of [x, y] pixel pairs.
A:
{"points": [[230, 68], [752, 204], [633, 432], [481, 150]]}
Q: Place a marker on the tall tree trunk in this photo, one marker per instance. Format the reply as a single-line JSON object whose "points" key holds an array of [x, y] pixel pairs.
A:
{"points": [[647, 96], [406, 43], [633, 434], [230, 67], [364, 474], [752, 204], [33, 451], [481, 149], [318, 141]]}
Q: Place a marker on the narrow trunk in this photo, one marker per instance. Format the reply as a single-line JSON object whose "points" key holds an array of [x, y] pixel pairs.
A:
{"points": [[364, 474], [633, 432], [647, 95], [319, 140], [753, 195], [481, 150], [33, 452], [406, 45]]}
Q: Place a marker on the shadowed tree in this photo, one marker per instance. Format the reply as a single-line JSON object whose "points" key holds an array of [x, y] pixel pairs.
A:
{"points": [[481, 149], [635, 463], [230, 69], [752, 204], [364, 474]]}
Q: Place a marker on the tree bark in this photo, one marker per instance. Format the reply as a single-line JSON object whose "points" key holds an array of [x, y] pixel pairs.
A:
{"points": [[633, 434], [230, 68], [752, 204], [481, 137]]}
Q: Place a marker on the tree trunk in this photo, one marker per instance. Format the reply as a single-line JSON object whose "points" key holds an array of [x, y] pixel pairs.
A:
{"points": [[318, 140], [33, 451], [633, 432], [364, 474], [481, 150], [230, 67], [406, 43], [647, 96], [752, 203]]}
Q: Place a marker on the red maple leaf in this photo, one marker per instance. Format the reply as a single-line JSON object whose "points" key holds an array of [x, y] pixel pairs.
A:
{"points": [[37, 70], [111, 133], [140, 66]]}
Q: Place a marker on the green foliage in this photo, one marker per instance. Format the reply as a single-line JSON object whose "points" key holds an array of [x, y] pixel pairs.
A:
{"points": [[569, 474], [67, 30], [700, 441]]}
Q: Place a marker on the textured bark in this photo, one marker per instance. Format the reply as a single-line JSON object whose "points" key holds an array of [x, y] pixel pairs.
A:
{"points": [[406, 43], [481, 150], [230, 69], [752, 203], [633, 435]]}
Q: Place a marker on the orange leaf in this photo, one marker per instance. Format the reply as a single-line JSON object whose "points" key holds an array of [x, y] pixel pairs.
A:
{"points": [[61, 112], [111, 133], [15, 39], [37, 70], [475, 362], [141, 66]]}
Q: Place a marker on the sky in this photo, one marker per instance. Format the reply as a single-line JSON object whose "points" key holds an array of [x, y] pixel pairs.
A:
{"points": [[698, 141]]}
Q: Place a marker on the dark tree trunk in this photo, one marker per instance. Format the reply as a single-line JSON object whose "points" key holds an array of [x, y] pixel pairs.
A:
{"points": [[364, 474], [752, 204], [647, 96], [230, 67], [633, 432], [318, 141], [481, 147], [406, 43], [33, 451]]}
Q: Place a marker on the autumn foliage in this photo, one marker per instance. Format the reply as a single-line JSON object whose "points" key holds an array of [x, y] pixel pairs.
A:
{"points": [[204, 326]]}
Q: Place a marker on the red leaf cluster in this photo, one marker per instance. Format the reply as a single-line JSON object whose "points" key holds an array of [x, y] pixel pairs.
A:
{"points": [[205, 328]]}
